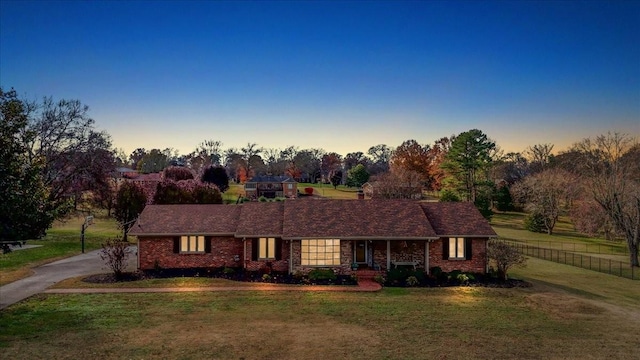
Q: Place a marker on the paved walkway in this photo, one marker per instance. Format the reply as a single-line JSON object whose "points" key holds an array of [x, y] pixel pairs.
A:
{"points": [[91, 263]]}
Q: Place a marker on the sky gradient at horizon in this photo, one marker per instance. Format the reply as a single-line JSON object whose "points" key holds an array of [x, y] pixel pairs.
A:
{"points": [[342, 76]]}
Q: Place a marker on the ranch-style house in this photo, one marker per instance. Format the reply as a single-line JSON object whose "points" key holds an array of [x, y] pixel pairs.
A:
{"points": [[299, 235]]}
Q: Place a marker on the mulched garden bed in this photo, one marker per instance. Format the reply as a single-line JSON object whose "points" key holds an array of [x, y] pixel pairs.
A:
{"points": [[284, 278], [230, 274]]}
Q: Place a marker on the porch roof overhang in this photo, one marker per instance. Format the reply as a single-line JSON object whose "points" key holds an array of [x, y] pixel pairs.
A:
{"points": [[253, 236], [395, 238], [475, 236]]}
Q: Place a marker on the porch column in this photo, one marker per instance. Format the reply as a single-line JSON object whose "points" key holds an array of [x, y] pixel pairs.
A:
{"points": [[426, 256], [244, 255], [388, 254], [290, 256]]}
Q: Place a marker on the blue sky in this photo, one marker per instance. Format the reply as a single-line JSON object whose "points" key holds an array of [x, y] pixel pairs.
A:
{"points": [[342, 76]]}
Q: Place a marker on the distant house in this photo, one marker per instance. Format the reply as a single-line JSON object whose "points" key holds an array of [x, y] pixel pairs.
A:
{"points": [[300, 235], [271, 187], [124, 173], [391, 190]]}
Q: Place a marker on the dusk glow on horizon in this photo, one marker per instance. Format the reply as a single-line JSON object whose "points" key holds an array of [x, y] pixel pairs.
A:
{"points": [[342, 76]]}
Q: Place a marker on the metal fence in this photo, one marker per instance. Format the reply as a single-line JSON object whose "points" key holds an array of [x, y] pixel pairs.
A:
{"points": [[610, 249], [602, 265]]}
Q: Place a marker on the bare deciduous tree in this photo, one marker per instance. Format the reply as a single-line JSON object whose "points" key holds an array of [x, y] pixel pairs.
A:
{"points": [[545, 193], [504, 256], [115, 253], [610, 173]]}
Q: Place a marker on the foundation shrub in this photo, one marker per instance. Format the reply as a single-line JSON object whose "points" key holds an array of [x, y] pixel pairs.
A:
{"points": [[321, 274]]}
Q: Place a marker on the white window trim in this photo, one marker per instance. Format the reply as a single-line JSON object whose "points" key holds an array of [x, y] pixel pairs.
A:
{"points": [[457, 245]]}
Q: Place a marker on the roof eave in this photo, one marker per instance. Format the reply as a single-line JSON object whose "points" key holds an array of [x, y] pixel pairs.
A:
{"points": [[468, 236], [181, 234], [398, 238]]}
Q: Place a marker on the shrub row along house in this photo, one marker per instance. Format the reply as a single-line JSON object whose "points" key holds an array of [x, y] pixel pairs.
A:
{"points": [[299, 235]]}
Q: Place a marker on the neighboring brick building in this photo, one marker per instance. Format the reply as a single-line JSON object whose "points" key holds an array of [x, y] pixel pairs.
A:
{"points": [[299, 235], [271, 187]]}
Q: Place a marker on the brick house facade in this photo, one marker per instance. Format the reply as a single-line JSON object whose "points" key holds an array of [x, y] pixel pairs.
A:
{"points": [[300, 235]]}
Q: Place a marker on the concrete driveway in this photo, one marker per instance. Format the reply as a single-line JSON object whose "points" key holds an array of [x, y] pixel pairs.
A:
{"points": [[49, 274]]}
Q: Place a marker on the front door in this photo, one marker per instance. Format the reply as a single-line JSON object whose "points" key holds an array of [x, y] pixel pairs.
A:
{"points": [[360, 252]]}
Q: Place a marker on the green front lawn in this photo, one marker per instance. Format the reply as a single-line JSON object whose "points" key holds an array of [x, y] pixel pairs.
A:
{"points": [[566, 319], [509, 226], [61, 241]]}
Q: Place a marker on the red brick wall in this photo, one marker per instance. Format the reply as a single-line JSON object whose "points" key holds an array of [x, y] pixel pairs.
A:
{"points": [[224, 249], [159, 251], [276, 265], [477, 263]]}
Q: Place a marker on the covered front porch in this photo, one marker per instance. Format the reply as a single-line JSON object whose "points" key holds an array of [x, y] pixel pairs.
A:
{"points": [[383, 255]]}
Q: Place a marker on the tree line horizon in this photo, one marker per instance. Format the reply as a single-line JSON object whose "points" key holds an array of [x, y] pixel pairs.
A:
{"points": [[54, 156]]}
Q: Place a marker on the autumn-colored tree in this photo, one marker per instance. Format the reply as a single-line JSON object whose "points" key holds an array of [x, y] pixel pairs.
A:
{"points": [[437, 154], [412, 156]]}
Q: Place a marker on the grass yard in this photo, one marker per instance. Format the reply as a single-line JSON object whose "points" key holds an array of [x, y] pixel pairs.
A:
{"points": [[509, 226], [231, 195], [327, 190], [556, 318], [61, 241]]}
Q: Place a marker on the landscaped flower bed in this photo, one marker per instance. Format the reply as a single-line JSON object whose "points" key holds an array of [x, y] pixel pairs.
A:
{"points": [[314, 277], [405, 277]]}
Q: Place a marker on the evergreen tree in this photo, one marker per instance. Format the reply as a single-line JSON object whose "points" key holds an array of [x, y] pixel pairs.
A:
{"points": [[24, 210], [357, 176], [216, 175]]}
